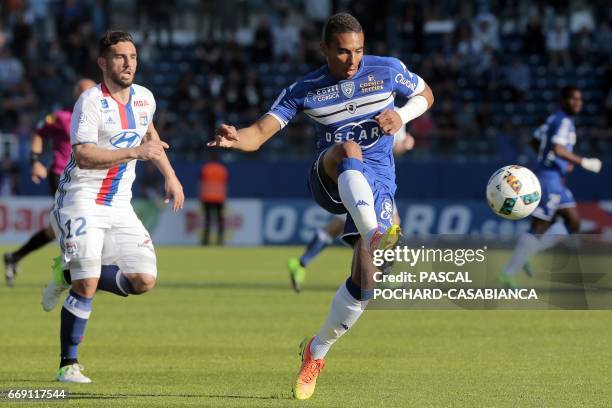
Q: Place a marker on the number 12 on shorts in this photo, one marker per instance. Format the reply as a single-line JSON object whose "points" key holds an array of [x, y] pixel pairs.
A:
{"points": [[79, 224]]}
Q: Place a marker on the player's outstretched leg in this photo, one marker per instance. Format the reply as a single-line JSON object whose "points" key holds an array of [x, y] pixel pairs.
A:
{"points": [[11, 259], [75, 314], [347, 306]]}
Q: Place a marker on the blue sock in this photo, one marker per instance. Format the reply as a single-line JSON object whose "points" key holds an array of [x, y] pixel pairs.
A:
{"points": [[114, 281], [75, 314], [357, 292], [319, 242]]}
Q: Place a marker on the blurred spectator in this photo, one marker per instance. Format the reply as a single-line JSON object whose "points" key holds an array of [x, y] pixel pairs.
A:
{"points": [[533, 41], [187, 95], [159, 18], [583, 47], [11, 69], [252, 90], [603, 41], [506, 143], [446, 120], [286, 38], [486, 31], [14, 101], [262, 44], [518, 79], [213, 193], [468, 49], [557, 45], [9, 177]]}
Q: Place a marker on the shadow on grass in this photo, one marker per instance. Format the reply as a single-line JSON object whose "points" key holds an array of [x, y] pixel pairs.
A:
{"points": [[281, 286], [87, 395]]}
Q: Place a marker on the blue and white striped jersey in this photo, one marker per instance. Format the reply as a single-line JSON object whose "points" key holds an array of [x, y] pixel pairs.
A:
{"points": [[345, 110], [558, 129]]}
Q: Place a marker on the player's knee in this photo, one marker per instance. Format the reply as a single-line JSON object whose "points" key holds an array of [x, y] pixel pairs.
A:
{"points": [[85, 287], [350, 149], [142, 283]]}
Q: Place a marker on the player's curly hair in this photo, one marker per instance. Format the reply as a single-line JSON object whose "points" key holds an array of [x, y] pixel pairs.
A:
{"points": [[340, 23], [110, 38], [568, 91]]}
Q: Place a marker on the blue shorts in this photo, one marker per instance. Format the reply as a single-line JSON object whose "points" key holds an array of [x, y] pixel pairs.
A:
{"points": [[325, 192], [555, 195]]}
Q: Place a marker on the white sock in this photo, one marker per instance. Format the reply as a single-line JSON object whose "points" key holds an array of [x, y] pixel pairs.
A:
{"points": [[357, 197], [344, 312], [527, 245], [554, 234]]}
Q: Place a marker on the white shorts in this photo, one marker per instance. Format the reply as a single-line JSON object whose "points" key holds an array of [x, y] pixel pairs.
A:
{"points": [[92, 236]]}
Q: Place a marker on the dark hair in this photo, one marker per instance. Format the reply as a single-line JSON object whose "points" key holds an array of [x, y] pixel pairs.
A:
{"points": [[110, 38], [340, 23], [568, 91]]}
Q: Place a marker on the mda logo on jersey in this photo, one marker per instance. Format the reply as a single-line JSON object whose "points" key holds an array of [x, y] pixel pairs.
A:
{"points": [[125, 139]]}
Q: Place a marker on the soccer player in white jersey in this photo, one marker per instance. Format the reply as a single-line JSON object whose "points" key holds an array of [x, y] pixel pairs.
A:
{"points": [[103, 243], [350, 100], [325, 236]]}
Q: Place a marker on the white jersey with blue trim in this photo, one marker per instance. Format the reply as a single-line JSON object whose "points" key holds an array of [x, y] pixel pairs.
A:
{"points": [[345, 110], [558, 129], [100, 119]]}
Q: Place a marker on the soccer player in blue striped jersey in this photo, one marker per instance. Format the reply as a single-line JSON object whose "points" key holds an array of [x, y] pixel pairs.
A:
{"points": [[554, 141], [350, 100]]}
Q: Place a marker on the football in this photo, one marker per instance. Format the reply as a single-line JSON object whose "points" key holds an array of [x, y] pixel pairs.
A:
{"points": [[513, 192]]}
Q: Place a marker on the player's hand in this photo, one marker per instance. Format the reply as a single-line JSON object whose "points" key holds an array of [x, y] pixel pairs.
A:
{"points": [[591, 164], [151, 150], [389, 121], [408, 142], [174, 191], [225, 136], [39, 172]]}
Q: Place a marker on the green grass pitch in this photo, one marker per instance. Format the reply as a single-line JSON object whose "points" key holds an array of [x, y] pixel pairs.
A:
{"points": [[222, 329]]}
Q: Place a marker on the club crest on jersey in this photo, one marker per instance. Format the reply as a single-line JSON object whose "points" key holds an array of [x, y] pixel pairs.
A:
{"points": [[104, 103], [351, 107], [348, 89], [387, 210], [143, 119], [125, 139]]}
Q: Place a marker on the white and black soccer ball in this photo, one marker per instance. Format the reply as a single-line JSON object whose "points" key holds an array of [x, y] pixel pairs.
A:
{"points": [[513, 192]]}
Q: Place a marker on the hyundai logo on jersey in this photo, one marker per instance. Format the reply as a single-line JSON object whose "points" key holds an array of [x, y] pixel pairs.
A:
{"points": [[124, 140]]}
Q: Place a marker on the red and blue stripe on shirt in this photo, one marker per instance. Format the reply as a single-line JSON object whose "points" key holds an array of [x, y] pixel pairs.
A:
{"points": [[110, 184]]}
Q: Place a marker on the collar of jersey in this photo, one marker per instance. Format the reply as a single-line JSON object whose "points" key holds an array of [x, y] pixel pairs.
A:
{"points": [[106, 93]]}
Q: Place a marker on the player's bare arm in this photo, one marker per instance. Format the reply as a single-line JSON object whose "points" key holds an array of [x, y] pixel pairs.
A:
{"points": [[172, 185], [248, 139], [39, 171], [88, 156], [589, 164], [391, 120]]}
